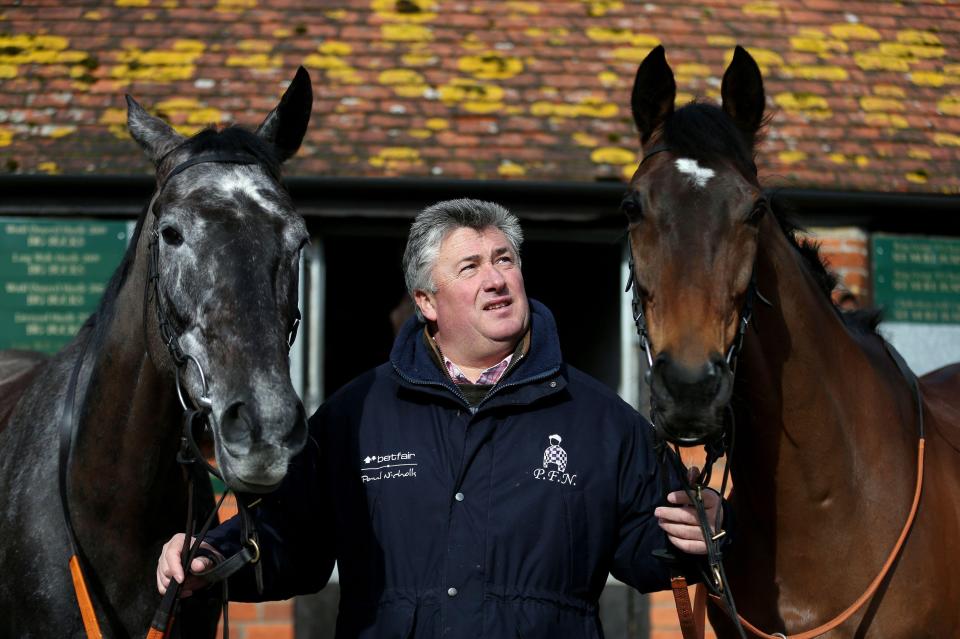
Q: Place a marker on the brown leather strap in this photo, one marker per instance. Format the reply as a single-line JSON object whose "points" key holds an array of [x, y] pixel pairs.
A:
{"points": [[691, 624], [871, 589]]}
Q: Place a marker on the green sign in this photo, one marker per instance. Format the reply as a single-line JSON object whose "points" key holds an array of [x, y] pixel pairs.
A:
{"points": [[54, 272], [917, 279]]}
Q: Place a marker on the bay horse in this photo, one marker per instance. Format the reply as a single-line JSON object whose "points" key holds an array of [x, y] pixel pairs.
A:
{"points": [[214, 257], [826, 425]]}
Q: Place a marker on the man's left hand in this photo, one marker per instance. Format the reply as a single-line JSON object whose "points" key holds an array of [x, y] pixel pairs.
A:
{"points": [[680, 521]]}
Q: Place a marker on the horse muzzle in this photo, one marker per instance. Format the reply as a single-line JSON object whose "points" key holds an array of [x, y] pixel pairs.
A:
{"points": [[254, 449], [689, 403]]}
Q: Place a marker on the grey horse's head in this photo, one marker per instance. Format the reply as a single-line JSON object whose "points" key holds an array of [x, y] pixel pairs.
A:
{"points": [[227, 240]]}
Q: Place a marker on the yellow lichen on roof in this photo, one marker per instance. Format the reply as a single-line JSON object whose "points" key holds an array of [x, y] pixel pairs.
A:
{"points": [[25, 48], [234, 6], [437, 124], [889, 91], [8, 71], [809, 105], [817, 72], [931, 79], [598, 8], [529, 8], [721, 41], [692, 70], [613, 155], [344, 75], [57, 131], [418, 59], [854, 31], [472, 96], [911, 51], [406, 33], [586, 140], [589, 107], [913, 36], [490, 66], [876, 61], [132, 3], [765, 9], [93, 15], [255, 61], [919, 154], [946, 139], [791, 157], [889, 120], [392, 158], [255, 46], [6, 136], [510, 169], [404, 82], [159, 65], [815, 41], [917, 177], [50, 168], [335, 47], [869, 103], [950, 105]]}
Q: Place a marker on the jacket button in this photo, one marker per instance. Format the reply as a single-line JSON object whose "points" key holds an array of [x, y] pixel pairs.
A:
{"points": [[553, 384], [458, 496], [452, 592]]}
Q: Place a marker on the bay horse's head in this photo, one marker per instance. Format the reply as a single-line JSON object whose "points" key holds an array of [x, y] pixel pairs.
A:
{"points": [[694, 207], [225, 240]]}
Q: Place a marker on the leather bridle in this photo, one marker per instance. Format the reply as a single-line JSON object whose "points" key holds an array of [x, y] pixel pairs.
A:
{"points": [[195, 466]]}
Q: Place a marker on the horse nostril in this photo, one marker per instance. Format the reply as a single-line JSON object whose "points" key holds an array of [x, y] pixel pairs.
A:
{"points": [[238, 427], [296, 437]]}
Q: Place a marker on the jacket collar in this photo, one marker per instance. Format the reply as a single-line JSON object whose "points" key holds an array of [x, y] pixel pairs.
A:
{"points": [[413, 362]]}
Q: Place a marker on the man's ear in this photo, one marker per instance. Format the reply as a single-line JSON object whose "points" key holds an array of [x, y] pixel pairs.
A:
{"points": [[426, 303]]}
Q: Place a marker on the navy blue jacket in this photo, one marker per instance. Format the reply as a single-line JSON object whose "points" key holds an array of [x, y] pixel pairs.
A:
{"points": [[447, 521]]}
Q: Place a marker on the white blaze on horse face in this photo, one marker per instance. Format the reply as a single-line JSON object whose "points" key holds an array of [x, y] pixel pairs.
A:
{"points": [[241, 180], [699, 175]]}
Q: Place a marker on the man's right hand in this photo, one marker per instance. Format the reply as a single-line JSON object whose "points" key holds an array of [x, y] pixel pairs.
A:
{"points": [[169, 566]]}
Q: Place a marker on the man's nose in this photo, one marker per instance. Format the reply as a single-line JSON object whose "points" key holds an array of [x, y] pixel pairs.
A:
{"points": [[493, 279]]}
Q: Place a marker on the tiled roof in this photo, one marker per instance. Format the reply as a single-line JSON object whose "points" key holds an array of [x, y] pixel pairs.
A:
{"points": [[864, 95]]}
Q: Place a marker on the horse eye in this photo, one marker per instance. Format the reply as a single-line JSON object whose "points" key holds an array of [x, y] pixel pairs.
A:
{"points": [[171, 236], [631, 209], [757, 213]]}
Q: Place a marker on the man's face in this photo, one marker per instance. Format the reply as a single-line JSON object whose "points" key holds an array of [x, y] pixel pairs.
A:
{"points": [[480, 306]]}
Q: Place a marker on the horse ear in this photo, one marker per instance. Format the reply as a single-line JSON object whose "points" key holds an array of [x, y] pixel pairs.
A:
{"points": [[742, 93], [654, 91], [286, 125], [153, 134]]}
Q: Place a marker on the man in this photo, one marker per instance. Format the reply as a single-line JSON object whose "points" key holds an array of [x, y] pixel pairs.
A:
{"points": [[475, 485]]}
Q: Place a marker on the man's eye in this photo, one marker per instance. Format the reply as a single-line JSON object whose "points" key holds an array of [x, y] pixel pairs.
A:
{"points": [[466, 268], [506, 259]]}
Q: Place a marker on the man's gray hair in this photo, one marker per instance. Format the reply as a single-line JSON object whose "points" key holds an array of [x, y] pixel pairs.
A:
{"points": [[434, 223]]}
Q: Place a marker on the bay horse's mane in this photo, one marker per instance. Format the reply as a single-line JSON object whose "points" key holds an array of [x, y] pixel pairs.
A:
{"points": [[231, 140], [703, 131]]}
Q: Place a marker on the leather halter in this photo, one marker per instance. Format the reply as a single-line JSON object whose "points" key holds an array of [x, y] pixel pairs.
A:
{"points": [[195, 467], [692, 617]]}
